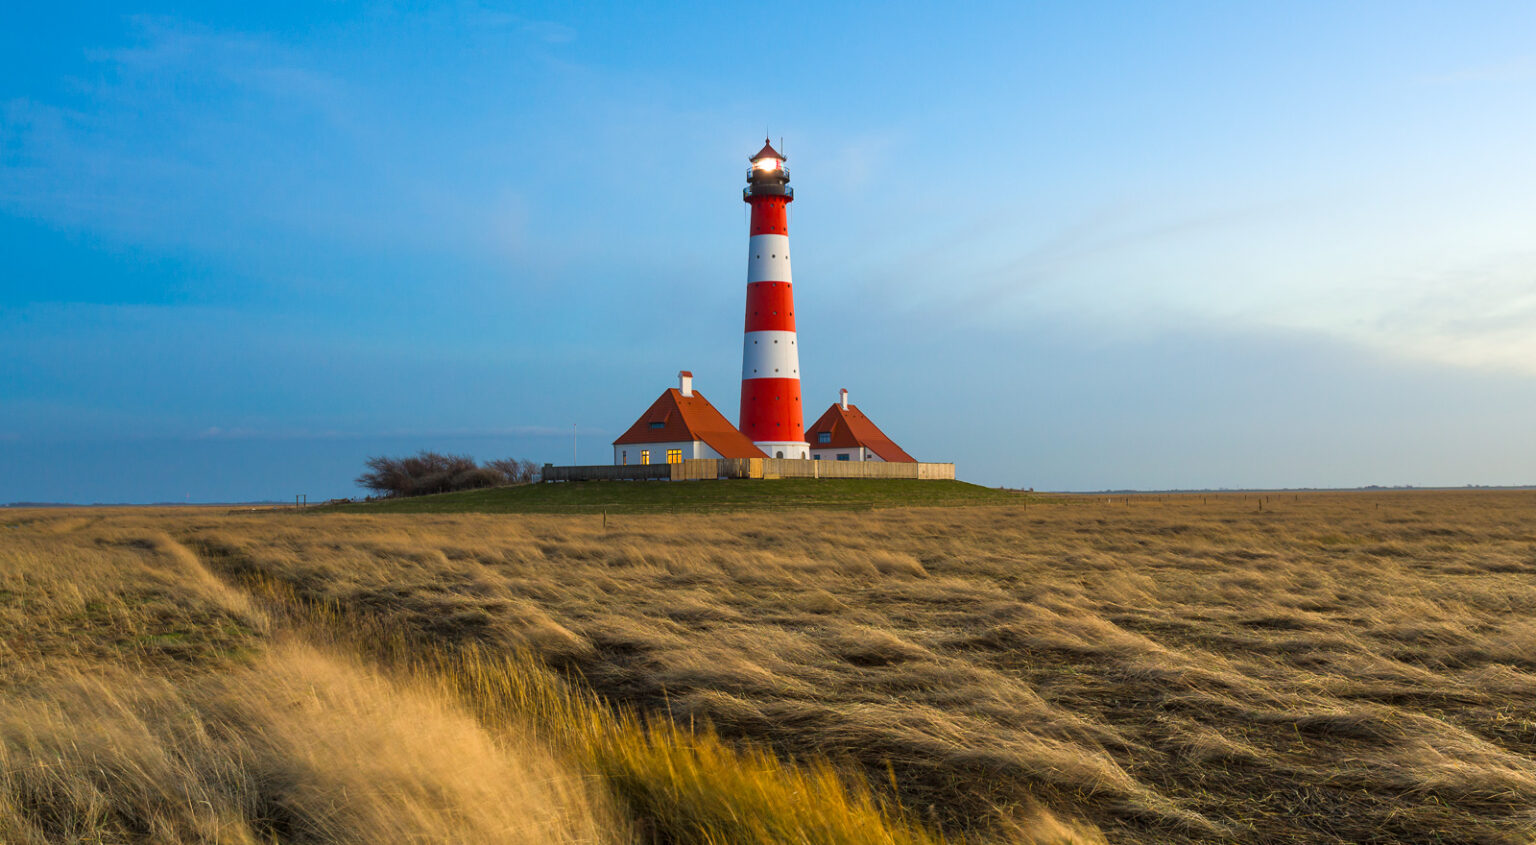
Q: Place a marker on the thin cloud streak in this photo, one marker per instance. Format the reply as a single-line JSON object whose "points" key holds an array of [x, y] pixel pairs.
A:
{"points": [[426, 434]]}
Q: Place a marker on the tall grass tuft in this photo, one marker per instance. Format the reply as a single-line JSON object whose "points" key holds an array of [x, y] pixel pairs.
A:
{"points": [[679, 784]]}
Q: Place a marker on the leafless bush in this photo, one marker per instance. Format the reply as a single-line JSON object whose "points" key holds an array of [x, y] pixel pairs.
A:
{"points": [[515, 470], [473, 479], [433, 472]]}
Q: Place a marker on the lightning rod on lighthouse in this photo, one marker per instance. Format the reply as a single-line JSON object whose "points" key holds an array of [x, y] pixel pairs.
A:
{"points": [[770, 361]]}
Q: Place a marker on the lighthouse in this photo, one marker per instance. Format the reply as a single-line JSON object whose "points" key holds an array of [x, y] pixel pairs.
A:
{"points": [[770, 359], [682, 427]]}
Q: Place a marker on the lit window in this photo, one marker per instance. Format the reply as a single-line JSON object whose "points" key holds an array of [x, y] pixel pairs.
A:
{"points": [[624, 457], [674, 456], [824, 437], [842, 456], [645, 456]]}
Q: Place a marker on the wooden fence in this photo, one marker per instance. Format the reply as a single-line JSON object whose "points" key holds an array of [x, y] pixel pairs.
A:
{"points": [[608, 472], [787, 468], [706, 468]]}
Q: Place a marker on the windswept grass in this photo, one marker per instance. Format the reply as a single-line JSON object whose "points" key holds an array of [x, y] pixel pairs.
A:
{"points": [[1178, 669], [1292, 668], [303, 746], [147, 699], [144, 700]]}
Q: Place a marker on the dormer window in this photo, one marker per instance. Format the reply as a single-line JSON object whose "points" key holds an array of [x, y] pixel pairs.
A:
{"points": [[659, 424], [824, 437]]}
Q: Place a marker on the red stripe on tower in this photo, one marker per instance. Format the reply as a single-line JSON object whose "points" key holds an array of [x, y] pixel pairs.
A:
{"points": [[770, 307], [770, 360]]}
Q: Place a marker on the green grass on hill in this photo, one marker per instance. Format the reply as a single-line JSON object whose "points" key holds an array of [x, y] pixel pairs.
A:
{"points": [[695, 496]]}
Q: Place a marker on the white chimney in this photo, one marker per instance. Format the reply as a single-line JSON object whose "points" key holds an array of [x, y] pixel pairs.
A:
{"points": [[844, 400], [685, 383]]}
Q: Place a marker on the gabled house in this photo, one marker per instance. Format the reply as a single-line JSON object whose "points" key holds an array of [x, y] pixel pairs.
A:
{"points": [[843, 433], [681, 424]]}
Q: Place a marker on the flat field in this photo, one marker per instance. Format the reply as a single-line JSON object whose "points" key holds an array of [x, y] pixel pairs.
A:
{"points": [[1316, 667]]}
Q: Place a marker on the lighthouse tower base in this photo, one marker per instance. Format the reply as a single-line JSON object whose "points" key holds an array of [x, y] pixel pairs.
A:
{"points": [[798, 450]]}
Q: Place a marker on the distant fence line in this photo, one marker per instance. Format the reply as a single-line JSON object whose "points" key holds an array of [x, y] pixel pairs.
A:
{"points": [[633, 472], [700, 469]]}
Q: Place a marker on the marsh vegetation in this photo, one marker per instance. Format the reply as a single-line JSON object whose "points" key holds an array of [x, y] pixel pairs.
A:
{"points": [[1331, 667]]}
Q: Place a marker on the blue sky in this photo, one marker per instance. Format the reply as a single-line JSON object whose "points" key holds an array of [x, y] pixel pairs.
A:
{"points": [[1068, 246]]}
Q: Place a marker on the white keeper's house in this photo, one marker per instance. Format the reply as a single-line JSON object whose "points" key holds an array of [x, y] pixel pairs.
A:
{"points": [[681, 424], [843, 433]]}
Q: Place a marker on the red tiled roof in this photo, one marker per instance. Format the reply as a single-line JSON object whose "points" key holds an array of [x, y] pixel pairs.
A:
{"points": [[767, 152], [685, 418], [851, 429]]}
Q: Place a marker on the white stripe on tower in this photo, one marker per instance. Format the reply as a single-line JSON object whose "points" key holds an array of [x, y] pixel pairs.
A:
{"points": [[768, 258], [770, 355]]}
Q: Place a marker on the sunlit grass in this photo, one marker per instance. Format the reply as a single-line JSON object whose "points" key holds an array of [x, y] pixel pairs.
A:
{"points": [[335, 724], [1297, 667]]}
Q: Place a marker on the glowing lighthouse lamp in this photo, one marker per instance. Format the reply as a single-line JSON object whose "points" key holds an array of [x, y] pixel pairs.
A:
{"points": [[770, 360]]}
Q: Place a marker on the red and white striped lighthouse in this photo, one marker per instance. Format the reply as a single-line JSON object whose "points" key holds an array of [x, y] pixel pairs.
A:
{"points": [[770, 360]]}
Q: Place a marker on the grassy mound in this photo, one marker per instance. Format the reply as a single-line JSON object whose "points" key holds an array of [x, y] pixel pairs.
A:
{"points": [[698, 496]]}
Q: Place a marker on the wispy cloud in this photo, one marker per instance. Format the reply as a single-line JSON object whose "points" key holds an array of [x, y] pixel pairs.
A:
{"points": [[230, 142], [257, 433], [162, 145], [1476, 315], [492, 17], [1517, 69], [1417, 272]]}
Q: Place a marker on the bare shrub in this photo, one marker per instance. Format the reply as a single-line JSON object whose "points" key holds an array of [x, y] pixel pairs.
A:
{"points": [[515, 470], [474, 479], [433, 472]]}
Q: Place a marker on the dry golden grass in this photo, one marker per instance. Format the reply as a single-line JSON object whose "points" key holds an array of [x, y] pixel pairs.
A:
{"points": [[1348, 667], [301, 747], [146, 698], [142, 699]]}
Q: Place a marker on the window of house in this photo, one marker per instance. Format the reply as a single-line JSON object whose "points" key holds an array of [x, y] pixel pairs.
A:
{"points": [[824, 437], [815, 457], [842, 456], [659, 424], [624, 457], [645, 456], [674, 456]]}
